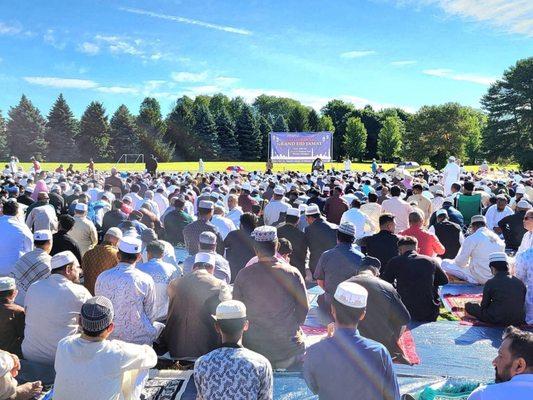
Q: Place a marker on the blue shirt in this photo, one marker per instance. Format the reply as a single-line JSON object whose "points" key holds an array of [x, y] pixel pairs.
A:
{"points": [[520, 387], [338, 264], [349, 366]]}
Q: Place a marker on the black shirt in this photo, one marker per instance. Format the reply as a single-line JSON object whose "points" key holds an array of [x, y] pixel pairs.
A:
{"points": [[297, 239], [113, 219], [61, 241], [319, 237], [449, 234], [383, 246], [513, 229], [417, 279], [239, 246]]}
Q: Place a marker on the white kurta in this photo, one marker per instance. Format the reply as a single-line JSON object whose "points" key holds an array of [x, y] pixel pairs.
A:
{"points": [[452, 172], [273, 210], [364, 226], [87, 370], [524, 272], [493, 216], [16, 241], [223, 224]]}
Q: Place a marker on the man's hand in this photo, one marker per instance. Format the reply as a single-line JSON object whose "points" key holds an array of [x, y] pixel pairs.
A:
{"points": [[16, 365], [331, 329]]}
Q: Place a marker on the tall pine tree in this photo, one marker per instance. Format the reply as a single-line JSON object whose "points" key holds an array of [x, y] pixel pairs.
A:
{"points": [[313, 121], [180, 124], [298, 120], [124, 134], [93, 140], [152, 131], [265, 129], [61, 132], [26, 131], [226, 137], [4, 151], [280, 125], [206, 130], [248, 135]]}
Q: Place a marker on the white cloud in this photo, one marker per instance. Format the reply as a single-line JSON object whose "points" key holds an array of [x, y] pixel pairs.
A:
{"points": [[10, 29], [121, 45], [117, 89], [403, 63], [49, 37], [189, 21], [61, 83], [189, 76], [450, 74], [513, 16], [89, 48], [358, 53]]}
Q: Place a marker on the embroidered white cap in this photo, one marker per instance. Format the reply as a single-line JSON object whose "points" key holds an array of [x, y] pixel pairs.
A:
{"points": [[206, 258], [115, 232], [294, 212], [523, 204], [230, 309], [7, 283], [81, 207], [208, 238], [42, 235], [497, 256], [265, 234], [478, 218], [351, 294], [63, 258], [347, 228], [312, 210], [442, 211], [206, 205], [130, 245], [279, 191]]}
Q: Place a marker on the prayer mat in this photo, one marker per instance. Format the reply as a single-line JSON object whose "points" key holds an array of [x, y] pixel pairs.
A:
{"points": [[166, 385]]}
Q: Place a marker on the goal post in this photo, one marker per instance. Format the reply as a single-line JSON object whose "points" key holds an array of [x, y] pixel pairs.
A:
{"points": [[130, 158]]}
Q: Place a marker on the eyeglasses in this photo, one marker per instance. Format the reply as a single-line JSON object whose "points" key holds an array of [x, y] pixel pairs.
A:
{"points": [[530, 217]]}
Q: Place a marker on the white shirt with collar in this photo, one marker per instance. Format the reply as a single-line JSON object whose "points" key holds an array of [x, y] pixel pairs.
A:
{"points": [[52, 308], [273, 210], [235, 215], [494, 216], [360, 220], [520, 387], [16, 241], [400, 209], [223, 224]]}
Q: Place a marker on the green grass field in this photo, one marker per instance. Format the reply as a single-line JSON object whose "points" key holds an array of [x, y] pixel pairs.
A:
{"points": [[213, 166]]}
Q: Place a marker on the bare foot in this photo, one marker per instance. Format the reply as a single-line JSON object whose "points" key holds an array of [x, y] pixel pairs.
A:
{"points": [[29, 390]]}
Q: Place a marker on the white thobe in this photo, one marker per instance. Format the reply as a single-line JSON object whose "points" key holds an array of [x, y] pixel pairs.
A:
{"points": [[524, 272], [42, 217], [235, 215], [493, 216], [520, 387], [452, 172], [16, 241]]}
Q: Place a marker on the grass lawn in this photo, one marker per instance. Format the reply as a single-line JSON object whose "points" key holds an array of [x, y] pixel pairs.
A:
{"points": [[213, 166]]}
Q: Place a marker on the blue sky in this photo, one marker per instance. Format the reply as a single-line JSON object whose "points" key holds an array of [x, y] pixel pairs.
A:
{"points": [[405, 53]]}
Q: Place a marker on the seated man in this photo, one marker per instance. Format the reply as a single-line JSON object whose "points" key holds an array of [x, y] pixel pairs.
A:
{"points": [[512, 226], [417, 279], [514, 368], [207, 243], [107, 367], [275, 297], [386, 315], [52, 309], [193, 299], [232, 370], [9, 388], [336, 265], [472, 261], [428, 244], [11, 317], [449, 234], [503, 296], [347, 365]]}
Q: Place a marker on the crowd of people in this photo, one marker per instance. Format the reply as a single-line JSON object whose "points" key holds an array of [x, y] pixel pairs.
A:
{"points": [[101, 273]]}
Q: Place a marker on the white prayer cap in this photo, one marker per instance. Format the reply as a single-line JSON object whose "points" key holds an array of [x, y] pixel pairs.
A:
{"points": [[478, 218], [448, 200], [520, 189], [206, 205], [246, 186], [29, 189], [129, 199], [439, 192], [115, 232], [451, 159], [523, 204], [442, 211], [347, 228], [293, 212], [351, 294], [497, 256], [42, 235], [130, 245], [278, 190], [326, 189], [312, 210], [265, 234], [206, 258], [230, 309], [63, 258], [302, 207], [208, 238], [7, 283], [82, 207]]}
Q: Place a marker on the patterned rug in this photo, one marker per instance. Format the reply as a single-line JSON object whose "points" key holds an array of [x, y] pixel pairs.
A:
{"points": [[166, 385]]}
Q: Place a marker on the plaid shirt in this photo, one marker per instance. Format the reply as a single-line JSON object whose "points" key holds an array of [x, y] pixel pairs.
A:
{"points": [[31, 267]]}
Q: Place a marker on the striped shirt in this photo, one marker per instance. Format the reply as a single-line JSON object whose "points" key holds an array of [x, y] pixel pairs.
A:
{"points": [[31, 267]]}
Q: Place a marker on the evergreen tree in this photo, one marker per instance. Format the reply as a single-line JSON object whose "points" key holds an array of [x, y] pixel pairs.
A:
{"points": [[93, 140], [298, 120], [218, 104], [152, 131], [124, 134], [62, 129], [180, 124], [280, 125], [265, 129], [355, 138], [313, 121], [151, 144], [26, 130], [4, 151], [390, 139], [248, 135], [235, 107], [226, 137], [206, 130]]}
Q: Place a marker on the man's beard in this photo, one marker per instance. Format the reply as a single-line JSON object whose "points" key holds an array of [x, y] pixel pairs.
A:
{"points": [[499, 378]]}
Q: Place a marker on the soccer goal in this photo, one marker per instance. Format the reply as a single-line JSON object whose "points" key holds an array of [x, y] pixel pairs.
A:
{"points": [[130, 158]]}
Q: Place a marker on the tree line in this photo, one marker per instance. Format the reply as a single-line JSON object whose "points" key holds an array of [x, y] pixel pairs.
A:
{"points": [[221, 128]]}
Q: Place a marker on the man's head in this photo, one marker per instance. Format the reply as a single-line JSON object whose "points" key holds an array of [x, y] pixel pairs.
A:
{"points": [[113, 236], [407, 243], [8, 289], [65, 263], [387, 223], [477, 222], [415, 219], [266, 241], [66, 222], [207, 241], [370, 264], [279, 192], [528, 220], [441, 214], [232, 201], [312, 213], [80, 209], [205, 209], [129, 250], [43, 240], [468, 187], [372, 197], [231, 321], [43, 197], [417, 188], [285, 248], [501, 202], [205, 261], [515, 355], [349, 304], [523, 205], [292, 216], [498, 262], [10, 208], [456, 187], [248, 222], [155, 249], [356, 203], [96, 317], [346, 233], [219, 210], [395, 191]]}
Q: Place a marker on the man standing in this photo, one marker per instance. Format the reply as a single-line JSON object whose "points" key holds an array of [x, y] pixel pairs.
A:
{"points": [[151, 165], [235, 211], [175, 221], [223, 224], [289, 230], [100, 258], [384, 244], [422, 201], [346, 365], [335, 206], [41, 215], [16, 240], [52, 309], [276, 207], [193, 299], [472, 261], [514, 368], [320, 235], [417, 279], [428, 243], [246, 201], [132, 293], [451, 174], [399, 208], [191, 233], [83, 231], [232, 370], [102, 363], [275, 297], [34, 265], [359, 219]]}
